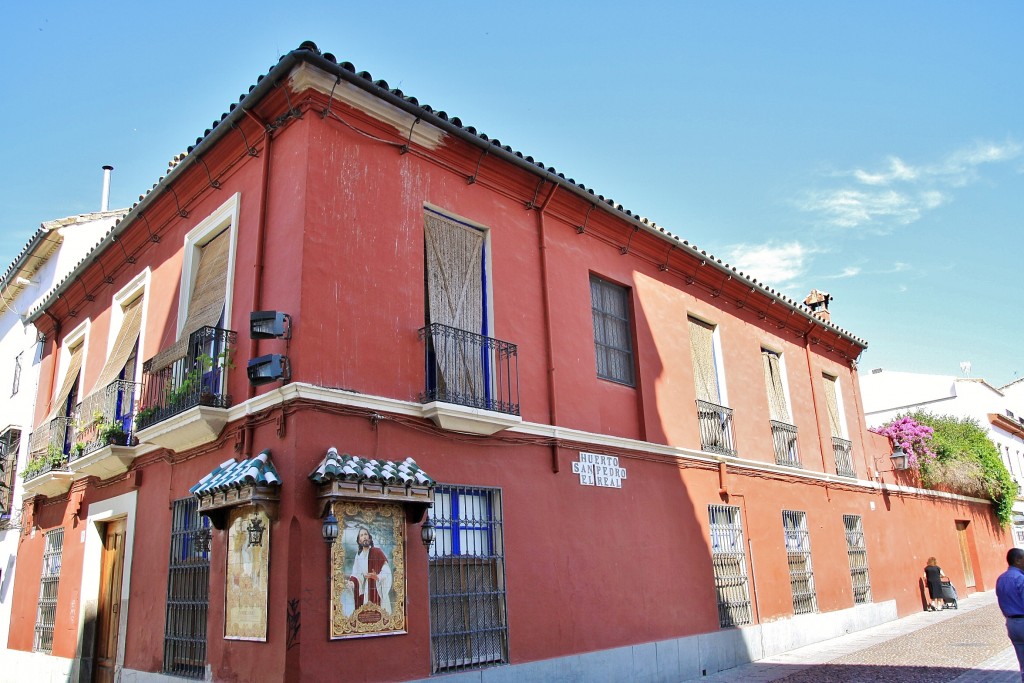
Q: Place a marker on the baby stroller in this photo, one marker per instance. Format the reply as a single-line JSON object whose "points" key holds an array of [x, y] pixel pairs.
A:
{"points": [[949, 597]]}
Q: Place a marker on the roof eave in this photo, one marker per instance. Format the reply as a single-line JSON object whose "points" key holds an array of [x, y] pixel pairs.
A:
{"points": [[293, 58]]}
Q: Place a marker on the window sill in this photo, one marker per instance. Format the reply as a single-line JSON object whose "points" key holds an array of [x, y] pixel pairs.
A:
{"points": [[193, 427], [456, 418], [104, 463], [52, 483]]}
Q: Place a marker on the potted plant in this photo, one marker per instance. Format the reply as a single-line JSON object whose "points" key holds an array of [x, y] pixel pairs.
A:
{"points": [[55, 457], [33, 467], [143, 416], [211, 368], [113, 434], [78, 449]]}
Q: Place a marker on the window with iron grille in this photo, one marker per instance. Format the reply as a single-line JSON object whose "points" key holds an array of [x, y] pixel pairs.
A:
{"points": [[17, 375], [188, 592], [798, 553], [49, 579], [858, 553], [468, 628], [613, 340], [729, 560], [10, 444]]}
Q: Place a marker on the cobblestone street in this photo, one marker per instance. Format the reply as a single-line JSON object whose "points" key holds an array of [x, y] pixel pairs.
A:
{"points": [[968, 645]]}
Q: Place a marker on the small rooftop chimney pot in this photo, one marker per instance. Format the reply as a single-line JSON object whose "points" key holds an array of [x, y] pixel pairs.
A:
{"points": [[818, 302], [105, 200]]}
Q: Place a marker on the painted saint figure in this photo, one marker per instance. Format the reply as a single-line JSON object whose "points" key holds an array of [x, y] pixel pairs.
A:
{"points": [[370, 578]]}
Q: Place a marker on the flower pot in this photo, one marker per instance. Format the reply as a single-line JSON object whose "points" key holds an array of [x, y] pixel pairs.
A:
{"points": [[117, 439]]}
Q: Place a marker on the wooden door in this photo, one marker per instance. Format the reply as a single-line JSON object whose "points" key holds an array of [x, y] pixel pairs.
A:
{"points": [[965, 553], [108, 612]]}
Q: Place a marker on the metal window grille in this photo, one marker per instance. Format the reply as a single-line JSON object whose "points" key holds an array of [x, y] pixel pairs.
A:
{"points": [[729, 560], [188, 593], [858, 553], [10, 444], [46, 616], [798, 553], [613, 341], [715, 428], [843, 451], [17, 375], [784, 438], [468, 627]]}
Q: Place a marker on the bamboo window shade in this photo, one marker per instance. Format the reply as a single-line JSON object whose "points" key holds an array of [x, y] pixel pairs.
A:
{"points": [[123, 345], [454, 281], [705, 375], [454, 256], [773, 381], [70, 380], [832, 402], [206, 304]]}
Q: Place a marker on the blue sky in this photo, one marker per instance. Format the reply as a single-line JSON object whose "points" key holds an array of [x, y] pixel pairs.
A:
{"points": [[874, 150]]}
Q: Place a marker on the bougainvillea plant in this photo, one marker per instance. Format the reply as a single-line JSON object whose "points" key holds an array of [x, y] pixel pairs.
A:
{"points": [[913, 437]]}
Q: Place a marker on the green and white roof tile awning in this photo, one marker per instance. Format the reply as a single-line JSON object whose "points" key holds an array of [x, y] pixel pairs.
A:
{"points": [[252, 481], [341, 476]]}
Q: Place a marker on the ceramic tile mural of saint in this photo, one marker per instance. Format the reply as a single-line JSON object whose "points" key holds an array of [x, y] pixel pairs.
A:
{"points": [[368, 570]]}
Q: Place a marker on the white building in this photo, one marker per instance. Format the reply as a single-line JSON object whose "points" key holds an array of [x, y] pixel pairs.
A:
{"points": [[887, 393], [51, 253]]}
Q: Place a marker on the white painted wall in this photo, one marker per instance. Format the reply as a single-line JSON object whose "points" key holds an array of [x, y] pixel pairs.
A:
{"points": [[79, 235], [887, 393]]}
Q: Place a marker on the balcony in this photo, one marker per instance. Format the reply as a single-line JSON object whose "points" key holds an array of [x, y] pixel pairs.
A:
{"points": [[46, 473], [715, 428], [843, 451], [472, 381], [184, 404], [104, 432], [784, 438]]}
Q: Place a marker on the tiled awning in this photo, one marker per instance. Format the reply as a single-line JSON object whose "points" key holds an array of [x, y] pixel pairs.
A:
{"points": [[344, 476], [250, 481]]}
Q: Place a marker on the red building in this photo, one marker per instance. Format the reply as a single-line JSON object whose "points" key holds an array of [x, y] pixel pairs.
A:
{"points": [[342, 313]]}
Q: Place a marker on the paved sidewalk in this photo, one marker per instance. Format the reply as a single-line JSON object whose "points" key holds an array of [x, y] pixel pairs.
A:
{"points": [[968, 645]]}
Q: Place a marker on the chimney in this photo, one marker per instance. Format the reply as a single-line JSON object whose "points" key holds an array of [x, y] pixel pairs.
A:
{"points": [[818, 303], [105, 201]]}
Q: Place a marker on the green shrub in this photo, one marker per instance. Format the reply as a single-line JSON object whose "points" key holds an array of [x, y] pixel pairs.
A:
{"points": [[967, 462]]}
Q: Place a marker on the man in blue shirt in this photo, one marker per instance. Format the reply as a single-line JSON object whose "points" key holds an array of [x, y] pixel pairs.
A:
{"points": [[1010, 593]]}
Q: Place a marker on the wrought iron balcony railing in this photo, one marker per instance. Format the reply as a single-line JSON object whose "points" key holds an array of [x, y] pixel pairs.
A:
{"points": [[715, 428], [105, 418], [843, 450], [199, 378], [784, 438], [471, 370], [49, 446]]}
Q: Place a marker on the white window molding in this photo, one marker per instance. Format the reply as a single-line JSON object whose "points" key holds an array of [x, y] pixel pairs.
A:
{"points": [[79, 336], [138, 287]]}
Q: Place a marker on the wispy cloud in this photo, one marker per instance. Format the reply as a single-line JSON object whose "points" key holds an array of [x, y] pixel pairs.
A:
{"points": [[897, 171], [851, 207], [849, 271], [899, 193], [778, 264]]}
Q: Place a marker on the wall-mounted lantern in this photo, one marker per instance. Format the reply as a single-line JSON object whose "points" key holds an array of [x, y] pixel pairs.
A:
{"points": [[899, 459], [329, 530], [270, 325], [427, 533], [255, 531], [270, 368]]}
